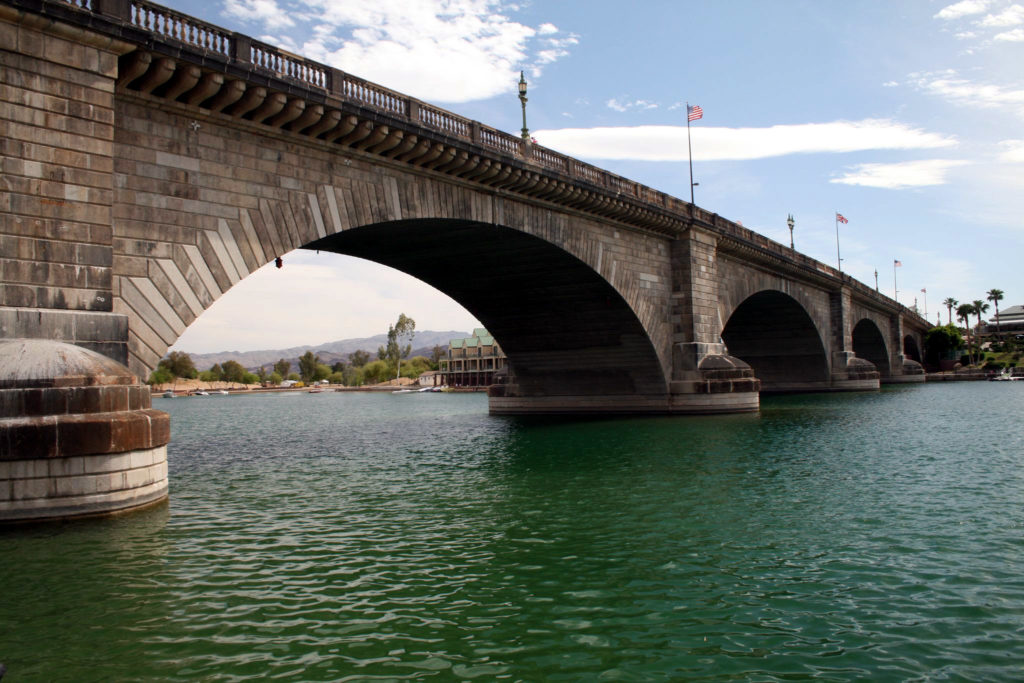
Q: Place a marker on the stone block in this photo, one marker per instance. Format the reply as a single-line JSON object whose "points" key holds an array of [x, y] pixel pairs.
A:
{"points": [[28, 438], [84, 435], [66, 467], [29, 489]]}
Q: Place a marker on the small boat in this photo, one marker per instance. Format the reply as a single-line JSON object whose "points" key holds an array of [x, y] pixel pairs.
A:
{"points": [[222, 392], [1005, 376], [315, 390], [404, 391], [168, 394], [200, 392]]}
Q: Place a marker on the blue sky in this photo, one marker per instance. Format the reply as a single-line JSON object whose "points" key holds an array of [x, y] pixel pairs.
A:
{"points": [[906, 117]]}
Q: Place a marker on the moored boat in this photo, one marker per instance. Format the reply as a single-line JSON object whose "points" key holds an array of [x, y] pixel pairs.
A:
{"points": [[1005, 376]]}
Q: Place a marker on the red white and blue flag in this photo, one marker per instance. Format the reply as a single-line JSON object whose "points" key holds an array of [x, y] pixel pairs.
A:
{"points": [[694, 113], [841, 218]]}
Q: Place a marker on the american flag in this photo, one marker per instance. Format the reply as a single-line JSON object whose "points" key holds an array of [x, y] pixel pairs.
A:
{"points": [[897, 264], [924, 290], [693, 113], [841, 218]]}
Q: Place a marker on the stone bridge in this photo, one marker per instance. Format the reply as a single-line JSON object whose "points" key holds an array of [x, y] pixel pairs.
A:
{"points": [[151, 161]]}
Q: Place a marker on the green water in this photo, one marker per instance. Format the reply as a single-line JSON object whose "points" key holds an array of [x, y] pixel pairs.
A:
{"points": [[384, 537]]}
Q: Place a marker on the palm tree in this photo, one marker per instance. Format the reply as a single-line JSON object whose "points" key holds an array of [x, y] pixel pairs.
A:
{"points": [[949, 303], [980, 307], [995, 296], [964, 312]]}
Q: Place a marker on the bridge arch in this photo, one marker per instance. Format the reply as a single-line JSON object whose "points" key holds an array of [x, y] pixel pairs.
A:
{"points": [[911, 350], [565, 329], [774, 334], [869, 344]]}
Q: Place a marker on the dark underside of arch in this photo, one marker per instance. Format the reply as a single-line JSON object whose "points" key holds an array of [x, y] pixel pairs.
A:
{"points": [[565, 330], [910, 349], [869, 344], [773, 333]]}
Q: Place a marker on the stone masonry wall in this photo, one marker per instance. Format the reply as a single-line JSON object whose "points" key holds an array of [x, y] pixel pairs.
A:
{"points": [[57, 143], [203, 199]]}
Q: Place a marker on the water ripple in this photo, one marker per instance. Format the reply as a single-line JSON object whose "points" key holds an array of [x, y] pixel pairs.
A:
{"points": [[349, 537]]}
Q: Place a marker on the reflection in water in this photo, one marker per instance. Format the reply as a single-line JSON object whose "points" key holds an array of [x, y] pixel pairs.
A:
{"points": [[334, 536]]}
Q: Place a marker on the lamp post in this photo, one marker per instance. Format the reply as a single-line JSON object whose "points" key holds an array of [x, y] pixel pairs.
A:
{"points": [[789, 222], [522, 98]]}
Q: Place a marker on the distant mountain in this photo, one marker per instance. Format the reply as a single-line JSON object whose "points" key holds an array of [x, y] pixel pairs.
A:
{"points": [[330, 353]]}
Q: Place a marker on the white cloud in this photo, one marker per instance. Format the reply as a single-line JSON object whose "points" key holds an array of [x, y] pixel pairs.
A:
{"points": [[621, 106], [668, 143], [962, 9], [265, 11], [900, 175], [1011, 16], [1014, 36], [437, 50], [1013, 151], [964, 92], [891, 84]]}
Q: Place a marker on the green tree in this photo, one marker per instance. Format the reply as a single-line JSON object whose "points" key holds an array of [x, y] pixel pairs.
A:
{"points": [[376, 372], [415, 366], [939, 341], [294, 376], [980, 308], [336, 378], [215, 373], [323, 371], [307, 366], [160, 376], [399, 343], [359, 358], [436, 355], [964, 313], [261, 374], [949, 303], [233, 371], [995, 296], [352, 377], [179, 364], [275, 378], [282, 367], [339, 366]]}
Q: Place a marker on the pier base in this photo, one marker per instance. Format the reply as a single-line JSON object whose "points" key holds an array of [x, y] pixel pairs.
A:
{"points": [[718, 384], [77, 434]]}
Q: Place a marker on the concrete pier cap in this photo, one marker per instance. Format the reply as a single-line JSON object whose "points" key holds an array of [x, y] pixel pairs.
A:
{"points": [[78, 435]]}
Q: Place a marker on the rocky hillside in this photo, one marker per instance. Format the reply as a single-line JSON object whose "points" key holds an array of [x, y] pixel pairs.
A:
{"points": [[330, 353]]}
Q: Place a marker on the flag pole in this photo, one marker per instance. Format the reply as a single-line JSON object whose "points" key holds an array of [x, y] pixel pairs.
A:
{"points": [[689, 149], [895, 290], [839, 261]]}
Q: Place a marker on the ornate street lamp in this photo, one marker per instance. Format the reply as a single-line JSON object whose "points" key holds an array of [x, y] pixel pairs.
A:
{"points": [[789, 222], [522, 98]]}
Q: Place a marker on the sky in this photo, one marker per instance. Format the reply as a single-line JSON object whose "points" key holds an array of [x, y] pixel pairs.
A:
{"points": [[905, 117]]}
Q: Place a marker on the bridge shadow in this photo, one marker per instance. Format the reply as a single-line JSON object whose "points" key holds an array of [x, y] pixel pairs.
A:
{"points": [[773, 333], [564, 328]]}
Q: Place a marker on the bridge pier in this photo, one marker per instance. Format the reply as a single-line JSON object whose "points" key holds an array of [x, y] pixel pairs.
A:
{"points": [[77, 434]]}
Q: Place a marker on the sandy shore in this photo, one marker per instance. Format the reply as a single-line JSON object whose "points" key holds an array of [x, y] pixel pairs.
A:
{"points": [[186, 386]]}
